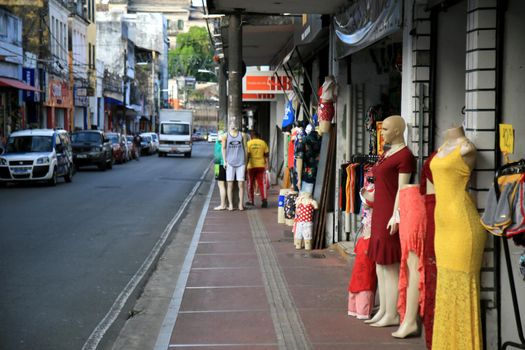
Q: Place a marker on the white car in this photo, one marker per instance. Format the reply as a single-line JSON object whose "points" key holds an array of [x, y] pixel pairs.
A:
{"points": [[154, 140], [212, 137], [37, 155]]}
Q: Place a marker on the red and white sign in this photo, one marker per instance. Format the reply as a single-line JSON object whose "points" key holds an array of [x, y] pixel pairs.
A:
{"points": [[258, 97], [265, 82]]}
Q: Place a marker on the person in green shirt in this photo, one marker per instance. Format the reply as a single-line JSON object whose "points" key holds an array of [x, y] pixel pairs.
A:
{"points": [[220, 172]]}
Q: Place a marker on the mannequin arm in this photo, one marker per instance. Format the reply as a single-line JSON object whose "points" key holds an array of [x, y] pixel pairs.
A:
{"points": [[404, 179], [468, 152], [299, 170]]}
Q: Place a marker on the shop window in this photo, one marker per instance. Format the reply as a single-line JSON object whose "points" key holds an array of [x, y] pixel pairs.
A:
{"points": [[180, 24]]}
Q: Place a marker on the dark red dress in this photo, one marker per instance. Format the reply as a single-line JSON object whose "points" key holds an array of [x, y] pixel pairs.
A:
{"points": [[385, 249], [429, 254]]}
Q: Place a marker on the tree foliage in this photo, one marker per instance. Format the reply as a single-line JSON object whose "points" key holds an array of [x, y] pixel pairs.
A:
{"points": [[192, 52]]}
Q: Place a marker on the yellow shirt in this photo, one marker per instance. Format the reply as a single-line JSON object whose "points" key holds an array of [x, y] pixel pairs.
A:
{"points": [[257, 148]]}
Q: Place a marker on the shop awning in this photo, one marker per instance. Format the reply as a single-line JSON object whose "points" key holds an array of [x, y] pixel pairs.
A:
{"points": [[17, 84]]}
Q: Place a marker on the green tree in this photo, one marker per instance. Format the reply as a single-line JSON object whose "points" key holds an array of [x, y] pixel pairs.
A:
{"points": [[192, 52]]}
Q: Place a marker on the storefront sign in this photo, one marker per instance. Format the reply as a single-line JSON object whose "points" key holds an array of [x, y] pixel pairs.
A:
{"points": [[58, 94], [506, 138], [258, 97], [312, 26], [29, 79], [265, 82], [366, 22]]}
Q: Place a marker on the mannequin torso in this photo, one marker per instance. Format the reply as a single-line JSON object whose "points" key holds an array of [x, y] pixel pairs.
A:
{"points": [[455, 137]]}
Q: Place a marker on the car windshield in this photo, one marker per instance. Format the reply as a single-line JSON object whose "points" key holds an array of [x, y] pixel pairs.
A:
{"points": [[154, 137], [113, 138], [20, 144], [175, 129], [85, 137], [129, 138]]}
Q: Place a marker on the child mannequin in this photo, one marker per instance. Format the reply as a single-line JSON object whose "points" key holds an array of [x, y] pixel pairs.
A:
{"points": [[362, 285], [289, 207], [303, 225], [327, 94]]}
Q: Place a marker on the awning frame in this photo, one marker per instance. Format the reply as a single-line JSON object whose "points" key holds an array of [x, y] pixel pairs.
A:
{"points": [[17, 84]]}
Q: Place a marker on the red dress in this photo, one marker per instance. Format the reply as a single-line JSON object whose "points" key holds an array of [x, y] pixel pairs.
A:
{"points": [[385, 249], [364, 272], [429, 253]]}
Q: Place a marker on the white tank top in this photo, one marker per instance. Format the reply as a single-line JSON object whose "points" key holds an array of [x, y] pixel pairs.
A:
{"points": [[235, 150]]}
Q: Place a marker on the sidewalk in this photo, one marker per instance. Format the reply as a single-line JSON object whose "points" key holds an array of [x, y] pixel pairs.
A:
{"points": [[248, 288]]}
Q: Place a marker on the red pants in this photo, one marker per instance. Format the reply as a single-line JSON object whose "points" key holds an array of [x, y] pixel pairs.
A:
{"points": [[259, 175]]}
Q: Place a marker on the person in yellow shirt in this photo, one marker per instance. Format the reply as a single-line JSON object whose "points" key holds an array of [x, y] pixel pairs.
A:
{"points": [[257, 165]]}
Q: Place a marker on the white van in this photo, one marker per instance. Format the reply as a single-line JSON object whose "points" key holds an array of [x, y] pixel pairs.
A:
{"points": [[37, 155], [175, 132]]}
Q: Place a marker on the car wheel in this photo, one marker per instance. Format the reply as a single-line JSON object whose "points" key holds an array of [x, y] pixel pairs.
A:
{"points": [[103, 166], [69, 175], [187, 155], [110, 164], [53, 180]]}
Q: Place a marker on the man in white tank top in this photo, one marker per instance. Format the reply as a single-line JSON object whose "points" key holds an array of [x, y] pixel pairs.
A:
{"points": [[234, 155]]}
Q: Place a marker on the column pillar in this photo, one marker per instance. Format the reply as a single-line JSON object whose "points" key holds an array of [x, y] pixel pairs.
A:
{"points": [[235, 70]]}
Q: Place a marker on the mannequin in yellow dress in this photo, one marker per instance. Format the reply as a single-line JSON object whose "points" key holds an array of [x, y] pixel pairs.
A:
{"points": [[459, 244]]}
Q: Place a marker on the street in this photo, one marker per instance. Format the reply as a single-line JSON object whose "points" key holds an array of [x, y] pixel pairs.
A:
{"points": [[67, 252]]}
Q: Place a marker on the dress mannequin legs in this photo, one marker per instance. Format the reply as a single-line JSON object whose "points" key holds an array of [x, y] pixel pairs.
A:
{"points": [[381, 290], [324, 126], [222, 192], [391, 279], [241, 194], [409, 326]]}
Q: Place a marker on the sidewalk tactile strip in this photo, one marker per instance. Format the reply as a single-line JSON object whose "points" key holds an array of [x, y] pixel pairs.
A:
{"points": [[289, 328]]}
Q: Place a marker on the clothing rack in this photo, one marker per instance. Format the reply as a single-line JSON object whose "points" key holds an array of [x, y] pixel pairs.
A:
{"points": [[364, 158], [507, 169]]}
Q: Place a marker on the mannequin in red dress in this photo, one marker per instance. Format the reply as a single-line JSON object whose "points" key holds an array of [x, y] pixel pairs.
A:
{"points": [[391, 173]]}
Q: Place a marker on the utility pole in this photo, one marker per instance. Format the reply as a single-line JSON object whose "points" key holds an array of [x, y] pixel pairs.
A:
{"points": [[125, 89], [235, 71]]}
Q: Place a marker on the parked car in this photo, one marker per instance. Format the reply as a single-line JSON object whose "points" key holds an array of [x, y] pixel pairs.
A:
{"points": [[37, 155], [198, 136], [212, 136], [146, 146], [154, 140], [92, 147], [118, 146]]}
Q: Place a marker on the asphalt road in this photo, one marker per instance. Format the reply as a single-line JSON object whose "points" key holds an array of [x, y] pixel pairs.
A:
{"points": [[67, 252]]}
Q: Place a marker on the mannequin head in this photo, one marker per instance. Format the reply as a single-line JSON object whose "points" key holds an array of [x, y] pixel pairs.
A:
{"points": [[233, 126], [393, 129]]}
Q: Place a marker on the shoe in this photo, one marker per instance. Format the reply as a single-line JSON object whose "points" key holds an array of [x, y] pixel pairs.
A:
{"points": [[219, 208], [264, 203], [249, 204]]}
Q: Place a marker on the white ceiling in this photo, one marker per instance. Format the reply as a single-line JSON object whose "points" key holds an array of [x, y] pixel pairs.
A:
{"points": [[279, 6], [261, 43]]}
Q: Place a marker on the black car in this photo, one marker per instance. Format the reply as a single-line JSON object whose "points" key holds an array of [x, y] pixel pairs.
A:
{"points": [[92, 147]]}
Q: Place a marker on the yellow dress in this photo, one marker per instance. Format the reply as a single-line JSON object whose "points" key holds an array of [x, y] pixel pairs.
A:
{"points": [[459, 244]]}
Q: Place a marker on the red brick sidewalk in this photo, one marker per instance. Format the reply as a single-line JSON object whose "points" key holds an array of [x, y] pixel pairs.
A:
{"points": [[248, 288]]}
